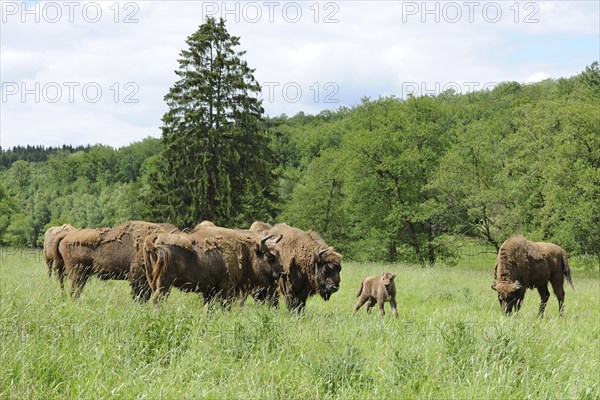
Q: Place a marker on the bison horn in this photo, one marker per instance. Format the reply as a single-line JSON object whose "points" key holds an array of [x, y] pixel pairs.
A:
{"points": [[263, 242], [278, 239]]}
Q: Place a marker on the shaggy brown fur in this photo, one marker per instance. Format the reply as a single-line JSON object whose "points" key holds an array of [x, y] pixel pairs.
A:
{"points": [[137, 275], [522, 264], [252, 261], [310, 266], [377, 289], [50, 248], [247, 263], [108, 253], [193, 266]]}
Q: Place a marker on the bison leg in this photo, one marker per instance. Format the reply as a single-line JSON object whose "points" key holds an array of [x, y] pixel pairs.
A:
{"points": [[359, 304], [268, 296], [142, 293], [394, 307], [60, 274], [227, 299], [61, 279], [372, 302], [49, 265], [140, 290], [381, 303], [213, 296], [295, 304], [272, 297], [559, 291], [545, 295], [78, 282]]}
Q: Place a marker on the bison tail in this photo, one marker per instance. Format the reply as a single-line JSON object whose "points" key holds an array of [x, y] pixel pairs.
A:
{"points": [[360, 289], [567, 271], [156, 260], [58, 263]]}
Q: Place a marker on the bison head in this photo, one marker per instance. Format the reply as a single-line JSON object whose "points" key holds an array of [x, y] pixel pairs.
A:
{"points": [[268, 255], [509, 295], [327, 272], [388, 280]]}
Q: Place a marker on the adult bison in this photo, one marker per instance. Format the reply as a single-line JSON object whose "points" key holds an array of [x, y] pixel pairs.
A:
{"points": [[214, 261], [310, 266], [108, 253], [522, 264], [256, 253], [51, 237]]}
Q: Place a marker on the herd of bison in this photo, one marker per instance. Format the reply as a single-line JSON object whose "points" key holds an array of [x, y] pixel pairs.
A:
{"points": [[266, 262]]}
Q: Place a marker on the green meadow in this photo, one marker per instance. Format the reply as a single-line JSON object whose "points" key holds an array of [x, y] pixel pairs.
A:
{"points": [[451, 340]]}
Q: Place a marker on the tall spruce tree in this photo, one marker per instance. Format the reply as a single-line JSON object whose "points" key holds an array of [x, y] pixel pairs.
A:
{"points": [[216, 163]]}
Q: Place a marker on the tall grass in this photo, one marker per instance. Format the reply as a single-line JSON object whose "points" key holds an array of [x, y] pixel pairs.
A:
{"points": [[450, 341]]}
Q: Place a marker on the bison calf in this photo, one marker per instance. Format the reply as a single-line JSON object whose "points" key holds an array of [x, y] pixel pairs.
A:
{"points": [[377, 289]]}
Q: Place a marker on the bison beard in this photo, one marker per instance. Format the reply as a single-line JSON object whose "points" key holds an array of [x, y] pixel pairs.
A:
{"points": [[522, 264]]}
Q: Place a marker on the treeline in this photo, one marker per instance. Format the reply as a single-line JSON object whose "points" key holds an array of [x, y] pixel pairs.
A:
{"points": [[407, 180], [34, 153], [389, 179], [92, 187]]}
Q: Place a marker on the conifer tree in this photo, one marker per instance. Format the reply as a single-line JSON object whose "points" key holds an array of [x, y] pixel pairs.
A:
{"points": [[216, 164]]}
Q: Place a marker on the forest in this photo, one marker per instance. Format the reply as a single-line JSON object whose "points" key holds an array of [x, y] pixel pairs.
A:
{"points": [[388, 179]]}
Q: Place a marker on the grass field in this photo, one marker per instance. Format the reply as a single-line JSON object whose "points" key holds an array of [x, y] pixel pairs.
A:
{"points": [[451, 340]]}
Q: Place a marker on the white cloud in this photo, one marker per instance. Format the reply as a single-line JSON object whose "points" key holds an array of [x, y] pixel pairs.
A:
{"points": [[374, 48], [537, 77]]}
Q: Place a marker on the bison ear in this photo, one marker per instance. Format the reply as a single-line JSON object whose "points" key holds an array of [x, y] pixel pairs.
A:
{"points": [[393, 276]]}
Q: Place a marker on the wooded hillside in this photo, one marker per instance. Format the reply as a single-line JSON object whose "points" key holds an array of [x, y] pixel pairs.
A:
{"points": [[389, 179]]}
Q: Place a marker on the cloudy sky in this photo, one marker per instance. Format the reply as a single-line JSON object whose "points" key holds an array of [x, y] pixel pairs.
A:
{"points": [[96, 72]]}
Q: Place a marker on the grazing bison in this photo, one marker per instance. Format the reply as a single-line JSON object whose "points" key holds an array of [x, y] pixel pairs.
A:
{"points": [[213, 261], [377, 289], [522, 264], [108, 253], [310, 266], [50, 248]]}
